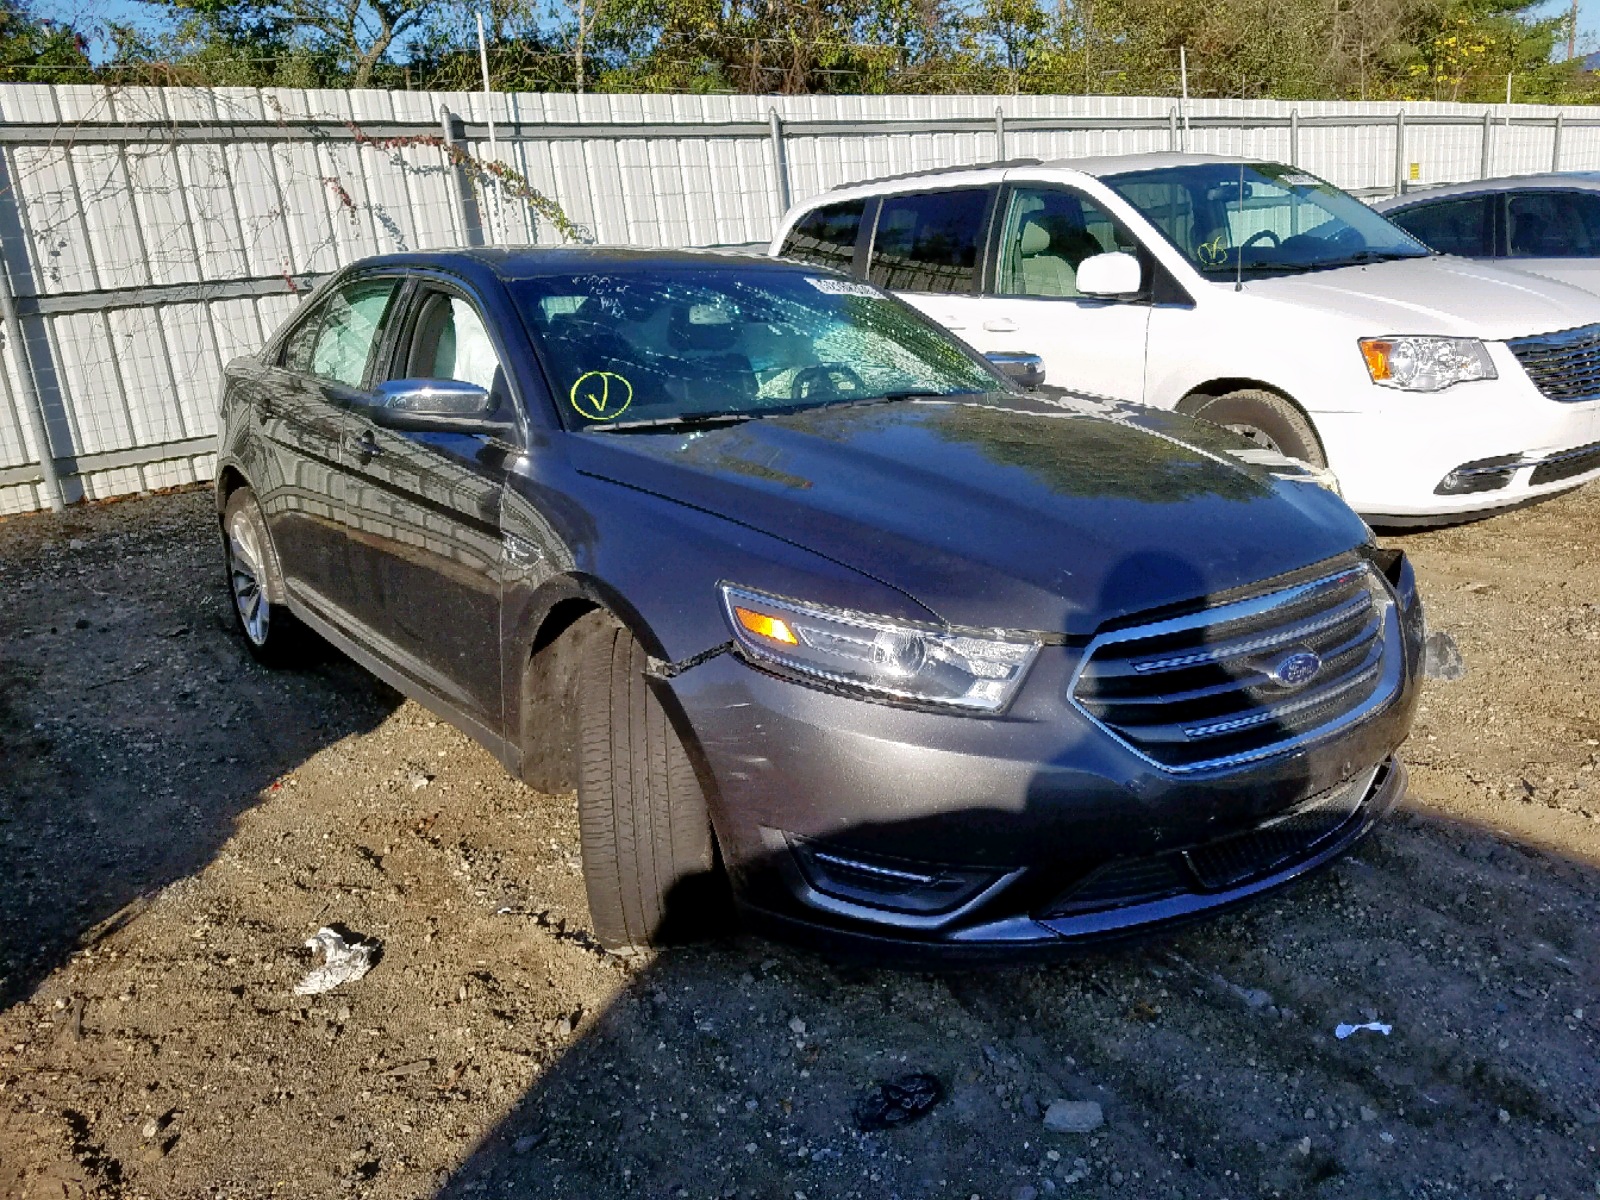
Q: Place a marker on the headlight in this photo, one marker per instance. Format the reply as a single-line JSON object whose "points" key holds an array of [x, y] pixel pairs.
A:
{"points": [[1425, 364], [885, 659]]}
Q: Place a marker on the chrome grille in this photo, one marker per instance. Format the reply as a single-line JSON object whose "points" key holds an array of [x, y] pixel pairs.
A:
{"points": [[1210, 690], [1564, 366]]}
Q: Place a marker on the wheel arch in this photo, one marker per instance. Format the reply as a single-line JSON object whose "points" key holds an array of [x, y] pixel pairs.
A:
{"points": [[1196, 397]]}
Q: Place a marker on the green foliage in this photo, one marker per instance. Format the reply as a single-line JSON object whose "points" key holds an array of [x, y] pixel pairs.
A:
{"points": [[32, 51], [1290, 49]]}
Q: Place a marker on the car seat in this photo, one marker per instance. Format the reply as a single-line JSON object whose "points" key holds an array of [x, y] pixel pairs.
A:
{"points": [[1041, 271]]}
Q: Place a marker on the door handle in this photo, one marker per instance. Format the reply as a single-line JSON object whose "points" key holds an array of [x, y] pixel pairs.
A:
{"points": [[952, 322], [1000, 325]]}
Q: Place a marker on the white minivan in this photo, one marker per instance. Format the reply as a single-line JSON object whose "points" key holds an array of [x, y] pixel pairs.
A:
{"points": [[1254, 295]]}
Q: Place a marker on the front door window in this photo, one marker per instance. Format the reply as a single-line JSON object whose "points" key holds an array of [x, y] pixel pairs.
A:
{"points": [[1048, 233]]}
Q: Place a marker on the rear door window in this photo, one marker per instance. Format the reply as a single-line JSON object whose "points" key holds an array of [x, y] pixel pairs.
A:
{"points": [[349, 331], [1451, 226], [827, 235], [930, 242], [1552, 224]]}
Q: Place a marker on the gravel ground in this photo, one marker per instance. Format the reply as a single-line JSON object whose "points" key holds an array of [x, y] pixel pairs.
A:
{"points": [[175, 822]]}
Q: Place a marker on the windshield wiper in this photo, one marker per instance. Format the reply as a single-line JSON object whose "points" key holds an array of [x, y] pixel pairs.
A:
{"points": [[684, 421], [1362, 257]]}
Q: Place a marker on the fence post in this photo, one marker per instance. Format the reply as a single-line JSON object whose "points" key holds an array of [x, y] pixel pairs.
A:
{"points": [[468, 216], [30, 388], [1294, 137], [1555, 149], [780, 163], [999, 134], [1488, 126], [1400, 152], [1172, 128]]}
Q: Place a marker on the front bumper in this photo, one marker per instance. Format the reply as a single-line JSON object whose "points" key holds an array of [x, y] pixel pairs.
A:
{"points": [[1391, 458], [1007, 814], [1042, 936]]}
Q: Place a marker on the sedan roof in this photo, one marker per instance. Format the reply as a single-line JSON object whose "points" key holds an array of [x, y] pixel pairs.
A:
{"points": [[525, 262], [1583, 180]]}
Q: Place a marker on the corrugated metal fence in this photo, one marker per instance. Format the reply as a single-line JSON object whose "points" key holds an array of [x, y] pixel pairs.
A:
{"points": [[148, 235]]}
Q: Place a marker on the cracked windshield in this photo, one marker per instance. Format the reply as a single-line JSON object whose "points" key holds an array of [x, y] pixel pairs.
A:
{"points": [[630, 350]]}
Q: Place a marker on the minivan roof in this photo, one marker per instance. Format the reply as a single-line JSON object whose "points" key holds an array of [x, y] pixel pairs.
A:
{"points": [[1098, 166], [1118, 164]]}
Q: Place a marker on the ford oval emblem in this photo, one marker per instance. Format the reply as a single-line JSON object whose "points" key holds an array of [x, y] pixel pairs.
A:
{"points": [[1295, 670]]}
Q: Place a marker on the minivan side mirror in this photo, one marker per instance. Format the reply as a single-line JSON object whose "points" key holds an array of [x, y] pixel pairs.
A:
{"points": [[1110, 276], [436, 405], [1025, 370]]}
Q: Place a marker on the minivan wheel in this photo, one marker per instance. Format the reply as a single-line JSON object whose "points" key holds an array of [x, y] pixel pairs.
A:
{"points": [[1263, 417], [271, 633], [649, 859]]}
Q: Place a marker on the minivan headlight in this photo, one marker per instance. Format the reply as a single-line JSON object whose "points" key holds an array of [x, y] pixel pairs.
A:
{"points": [[884, 659], [1425, 364]]}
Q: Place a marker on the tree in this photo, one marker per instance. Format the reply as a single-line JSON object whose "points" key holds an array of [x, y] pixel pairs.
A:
{"points": [[36, 51], [357, 34]]}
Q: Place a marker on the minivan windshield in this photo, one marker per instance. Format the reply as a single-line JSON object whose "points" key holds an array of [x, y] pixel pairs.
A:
{"points": [[678, 346], [1259, 219]]}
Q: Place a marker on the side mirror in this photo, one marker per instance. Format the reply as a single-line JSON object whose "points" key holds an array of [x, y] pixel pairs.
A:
{"points": [[436, 405], [1025, 370], [1110, 276]]}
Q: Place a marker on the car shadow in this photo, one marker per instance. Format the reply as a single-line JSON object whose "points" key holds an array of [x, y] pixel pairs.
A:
{"points": [[732, 1068], [136, 728]]}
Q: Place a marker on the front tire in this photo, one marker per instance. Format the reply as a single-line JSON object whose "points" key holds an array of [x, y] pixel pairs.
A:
{"points": [[270, 631], [1262, 417], [649, 858]]}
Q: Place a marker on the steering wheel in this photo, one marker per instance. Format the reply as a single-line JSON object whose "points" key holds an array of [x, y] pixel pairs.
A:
{"points": [[1261, 235], [826, 381]]}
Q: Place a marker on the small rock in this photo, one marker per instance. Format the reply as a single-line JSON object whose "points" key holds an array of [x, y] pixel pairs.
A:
{"points": [[527, 1142], [1441, 658], [1026, 1192], [1073, 1116], [1368, 1113], [797, 1025], [1256, 998], [1303, 1147], [564, 1027], [76, 544], [1505, 1117], [151, 1128], [1386, 1138]]}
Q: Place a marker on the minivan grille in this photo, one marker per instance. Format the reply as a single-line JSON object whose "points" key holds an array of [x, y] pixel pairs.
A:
{"points": [[1247, 679], [1564, 366]]}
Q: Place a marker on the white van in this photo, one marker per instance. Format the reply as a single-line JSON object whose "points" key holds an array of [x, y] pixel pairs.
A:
{"points": [[1254, 295]]}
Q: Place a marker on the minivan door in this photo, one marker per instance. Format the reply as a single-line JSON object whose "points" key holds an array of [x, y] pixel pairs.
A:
{"points": [[1032, 303], [427, 543], [927, 248]]}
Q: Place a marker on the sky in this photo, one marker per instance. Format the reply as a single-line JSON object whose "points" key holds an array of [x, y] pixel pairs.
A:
{"points": [[87, 14]]}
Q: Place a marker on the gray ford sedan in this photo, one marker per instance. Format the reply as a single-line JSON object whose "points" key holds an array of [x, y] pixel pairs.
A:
{"points": [[816, 610]]}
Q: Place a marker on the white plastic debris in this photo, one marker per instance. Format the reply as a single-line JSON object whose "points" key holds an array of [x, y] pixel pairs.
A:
{"points": [[1344, 1031], [341, 962]]}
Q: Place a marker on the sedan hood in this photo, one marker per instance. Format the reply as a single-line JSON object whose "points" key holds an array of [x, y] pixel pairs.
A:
{"points": [[1452, 297], [1004, 511]]}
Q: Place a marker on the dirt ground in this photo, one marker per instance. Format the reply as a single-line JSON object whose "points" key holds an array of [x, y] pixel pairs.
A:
{"points": [[175, 822]]}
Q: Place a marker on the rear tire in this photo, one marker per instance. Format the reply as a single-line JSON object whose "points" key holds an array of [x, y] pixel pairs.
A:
{"points": [[1265, 418], [271, 633], [649, 858]]}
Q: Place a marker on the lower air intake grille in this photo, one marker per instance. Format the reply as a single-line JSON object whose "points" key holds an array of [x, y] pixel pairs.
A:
{"points": [[1227, 863], [1247, 679], [1566, 466], [1564, 366]]}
